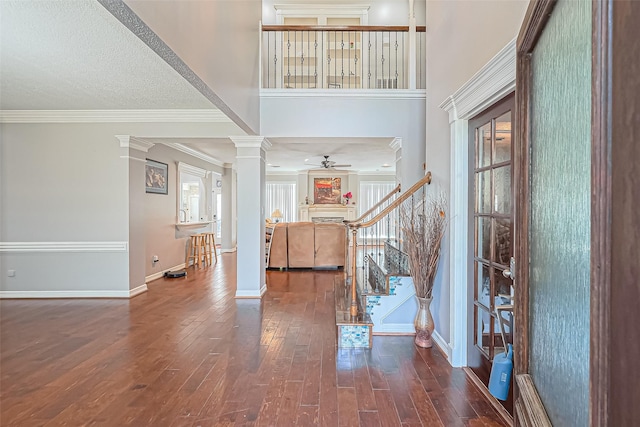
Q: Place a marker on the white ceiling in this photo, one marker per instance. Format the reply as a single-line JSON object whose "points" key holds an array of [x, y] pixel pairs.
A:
{"points": [[74, 55], [289, 154]]}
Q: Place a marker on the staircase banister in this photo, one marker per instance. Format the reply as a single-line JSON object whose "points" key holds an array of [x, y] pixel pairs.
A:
{"points": [[376, 206], [415, 187]]}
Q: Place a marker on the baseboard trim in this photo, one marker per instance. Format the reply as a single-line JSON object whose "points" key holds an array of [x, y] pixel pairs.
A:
{"points": [[444, 347], [160, 274], [251, 294], [69, 294], [504, 414], [396, 329], [228, 251], [138, 290]]}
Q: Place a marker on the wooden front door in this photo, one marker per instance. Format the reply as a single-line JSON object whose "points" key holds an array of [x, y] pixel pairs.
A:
{"points": [[553, 215], [490, 142], [577, 222]]}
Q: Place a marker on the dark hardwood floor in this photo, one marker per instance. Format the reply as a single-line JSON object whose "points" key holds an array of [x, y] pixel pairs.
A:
{"points": [[186, 353]]}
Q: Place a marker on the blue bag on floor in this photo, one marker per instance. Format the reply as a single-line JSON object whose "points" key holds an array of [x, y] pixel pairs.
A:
{"points": [[500, 377]]}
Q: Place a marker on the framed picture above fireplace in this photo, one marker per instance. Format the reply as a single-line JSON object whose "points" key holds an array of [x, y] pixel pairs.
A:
{"points": [[327, 191]]}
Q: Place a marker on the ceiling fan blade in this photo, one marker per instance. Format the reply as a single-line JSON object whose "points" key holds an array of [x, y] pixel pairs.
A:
{"points": [[340, 166]]}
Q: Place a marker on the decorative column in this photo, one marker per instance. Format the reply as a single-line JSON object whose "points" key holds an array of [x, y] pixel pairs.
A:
{"points": [[228, 226], [134, 150], [396, 146], [251, 165]]}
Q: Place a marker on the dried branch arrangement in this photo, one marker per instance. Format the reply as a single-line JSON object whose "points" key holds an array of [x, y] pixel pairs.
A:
{"points": [[423, 223]]}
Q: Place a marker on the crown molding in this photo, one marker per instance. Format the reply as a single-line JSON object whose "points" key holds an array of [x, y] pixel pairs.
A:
{"points": [[194, 153], [355, 7], [114, 116], [282, 173], [128, 141], [391, 173], [495, 80], [192, 170]]}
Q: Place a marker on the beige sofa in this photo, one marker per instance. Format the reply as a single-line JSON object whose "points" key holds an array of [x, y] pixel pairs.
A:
{"points": [[307, 245]]}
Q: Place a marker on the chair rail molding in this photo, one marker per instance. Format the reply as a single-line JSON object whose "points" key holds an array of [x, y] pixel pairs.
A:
{"points": [[14, 247], [491, 83]]}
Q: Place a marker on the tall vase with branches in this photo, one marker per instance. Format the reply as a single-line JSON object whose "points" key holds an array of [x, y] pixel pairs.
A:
{"points": [[423, 224]]}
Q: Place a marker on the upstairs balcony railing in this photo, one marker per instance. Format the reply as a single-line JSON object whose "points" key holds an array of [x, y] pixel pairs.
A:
{"points": [[343, 57]]}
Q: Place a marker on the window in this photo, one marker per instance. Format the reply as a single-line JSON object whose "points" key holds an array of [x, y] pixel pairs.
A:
{"points": [[371, 192], [283, 196], [192, 197]]}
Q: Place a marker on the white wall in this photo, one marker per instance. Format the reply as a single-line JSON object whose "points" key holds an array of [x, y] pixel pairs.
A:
{"points": [[348, 115], [73, 183], [219, 41], [161, 236], [63, 183], [381, 12], [461, 37]]}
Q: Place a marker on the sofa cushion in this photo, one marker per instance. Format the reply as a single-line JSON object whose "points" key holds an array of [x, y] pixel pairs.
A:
{"points": [[329, 245], [301, 244], [278, 249]]}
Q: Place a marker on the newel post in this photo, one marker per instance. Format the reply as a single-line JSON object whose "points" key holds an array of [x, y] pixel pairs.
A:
{"points": [[354, 294]]}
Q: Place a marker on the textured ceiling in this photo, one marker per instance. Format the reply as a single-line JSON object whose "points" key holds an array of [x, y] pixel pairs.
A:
{"points": [[75, 55], [72, 55]]}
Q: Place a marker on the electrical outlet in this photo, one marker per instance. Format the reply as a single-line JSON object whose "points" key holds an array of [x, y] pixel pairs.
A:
{"points": [[11, 273], [155, 258]]}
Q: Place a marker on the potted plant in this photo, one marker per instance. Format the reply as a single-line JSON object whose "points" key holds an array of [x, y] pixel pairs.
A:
{"points": [[423, 225]]}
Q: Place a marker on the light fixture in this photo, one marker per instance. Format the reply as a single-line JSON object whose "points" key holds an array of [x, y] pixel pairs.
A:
{"points": [[276, 215]]}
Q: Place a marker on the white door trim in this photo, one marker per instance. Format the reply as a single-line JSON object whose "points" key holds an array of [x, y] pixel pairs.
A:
{"points": [[493, 82]]}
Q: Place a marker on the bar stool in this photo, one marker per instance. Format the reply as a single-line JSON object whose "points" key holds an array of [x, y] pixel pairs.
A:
{"points": [[210, 246], [195, 246]]}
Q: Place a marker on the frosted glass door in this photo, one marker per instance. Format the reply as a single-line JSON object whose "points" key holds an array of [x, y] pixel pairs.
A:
{"points": [[559, 214]]}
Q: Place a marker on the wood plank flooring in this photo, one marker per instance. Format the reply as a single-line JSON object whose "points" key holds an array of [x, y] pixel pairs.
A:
{"points": [[186, 353]]}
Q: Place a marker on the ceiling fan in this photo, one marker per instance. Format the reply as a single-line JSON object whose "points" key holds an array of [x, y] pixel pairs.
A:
{"points": [[330, 164]]}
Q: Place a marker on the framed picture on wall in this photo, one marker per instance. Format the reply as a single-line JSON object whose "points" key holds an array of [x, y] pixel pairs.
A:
{"points": [[156, 177], [327, 191]]}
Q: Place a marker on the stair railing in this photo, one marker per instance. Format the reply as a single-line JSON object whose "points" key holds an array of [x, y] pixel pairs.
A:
{"points": [[359, 224], [374, 208]]}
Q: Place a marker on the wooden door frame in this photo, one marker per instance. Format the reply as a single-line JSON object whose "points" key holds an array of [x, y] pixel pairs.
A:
{"points": [[615, 243], [615, 213], [535, 19]]}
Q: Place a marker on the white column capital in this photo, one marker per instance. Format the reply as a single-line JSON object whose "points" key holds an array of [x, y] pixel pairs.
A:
{"points": [[396, 144], [251, 141], [128, 141]]}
